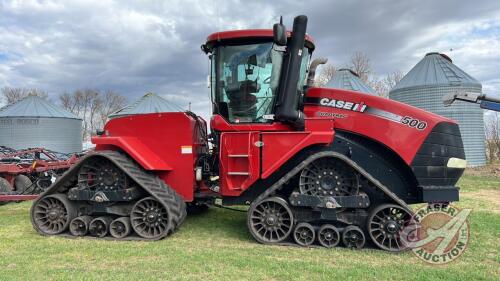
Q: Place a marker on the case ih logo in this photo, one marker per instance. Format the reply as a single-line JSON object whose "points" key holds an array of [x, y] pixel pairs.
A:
{"points": [[440, 234], [347, 105]]}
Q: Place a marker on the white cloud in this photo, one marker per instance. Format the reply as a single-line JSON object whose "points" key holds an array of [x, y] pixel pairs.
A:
{"points": [[138, 46], [473, 46]]}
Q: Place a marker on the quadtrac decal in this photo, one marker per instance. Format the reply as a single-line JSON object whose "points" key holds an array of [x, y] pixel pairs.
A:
{"points": [[331, 115]]}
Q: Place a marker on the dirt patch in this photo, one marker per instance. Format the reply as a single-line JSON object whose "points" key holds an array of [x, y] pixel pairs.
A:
{"points": [[490, 170]]}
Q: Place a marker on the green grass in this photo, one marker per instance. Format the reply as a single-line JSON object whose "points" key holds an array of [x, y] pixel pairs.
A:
{"points": [[217, 246]]}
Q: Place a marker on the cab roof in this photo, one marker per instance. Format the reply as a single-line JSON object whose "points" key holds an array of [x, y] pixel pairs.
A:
{"points": [[234, 36]]}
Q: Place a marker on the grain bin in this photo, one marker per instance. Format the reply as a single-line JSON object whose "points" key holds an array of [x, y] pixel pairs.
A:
{"points": [[349, 80], [149, 103], [35, 122], [426, 84]]}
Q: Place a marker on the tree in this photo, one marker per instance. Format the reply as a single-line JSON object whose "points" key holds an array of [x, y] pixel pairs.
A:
{"points": [[360, 63], [383, 86], [393, 78], [12, 95], [325, 75], [111, 102], [492, 133], [378, 86], [92, 106]]}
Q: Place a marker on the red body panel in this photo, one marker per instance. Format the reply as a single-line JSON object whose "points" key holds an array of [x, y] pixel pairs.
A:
{"points": [[161, 142], [169, 143], [243, 145], [248, 33], [279, 147], [135, 147], [374, 117], [218, 123]]}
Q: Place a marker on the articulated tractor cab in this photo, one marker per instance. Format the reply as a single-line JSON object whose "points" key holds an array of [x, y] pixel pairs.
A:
{"points": [[314, 165]]}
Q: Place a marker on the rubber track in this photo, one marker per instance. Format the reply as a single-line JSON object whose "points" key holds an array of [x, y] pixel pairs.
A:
{"points": [[151, 183], [280, 183]]}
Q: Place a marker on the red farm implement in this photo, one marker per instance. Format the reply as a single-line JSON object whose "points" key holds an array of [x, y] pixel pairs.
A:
{"points": [[27, 172]]}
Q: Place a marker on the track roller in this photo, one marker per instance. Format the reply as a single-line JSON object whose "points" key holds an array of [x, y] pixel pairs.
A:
{"points": [[270, 220], [79, 226], [385, 224], [304, 234], [120, 227], [328, 236], [353, 237], [52, 214], [99, 226]]}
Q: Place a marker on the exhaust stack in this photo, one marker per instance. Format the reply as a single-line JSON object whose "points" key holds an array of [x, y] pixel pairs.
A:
{"points": [[288, 94], [312, 70]]}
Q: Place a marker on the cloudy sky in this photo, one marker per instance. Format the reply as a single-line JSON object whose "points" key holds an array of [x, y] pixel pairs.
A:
{"points": [[133, 47]]}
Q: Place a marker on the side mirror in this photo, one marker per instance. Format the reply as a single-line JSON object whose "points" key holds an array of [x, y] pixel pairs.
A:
{"points": [[279, 33]]}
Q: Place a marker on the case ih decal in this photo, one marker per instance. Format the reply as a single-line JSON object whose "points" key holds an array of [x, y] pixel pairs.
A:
{"points": [[340, 104]]}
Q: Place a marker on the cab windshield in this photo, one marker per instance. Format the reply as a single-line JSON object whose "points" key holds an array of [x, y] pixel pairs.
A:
{"points": [[245, 81]]}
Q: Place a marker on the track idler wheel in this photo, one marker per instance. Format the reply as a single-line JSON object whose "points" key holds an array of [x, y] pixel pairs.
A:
{"points": [[328, 177], [353, 237], [385, 226], [80, 226], [328, 236], [304, 234], [53, 213], [270, 220], [120, 227], [101, 174], [99, 226], [150, 219]]}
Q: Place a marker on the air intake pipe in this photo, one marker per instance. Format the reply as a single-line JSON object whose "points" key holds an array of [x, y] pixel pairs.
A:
{"points": [[312, 70], [287, 103]]}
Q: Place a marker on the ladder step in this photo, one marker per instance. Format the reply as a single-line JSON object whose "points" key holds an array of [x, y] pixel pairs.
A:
{"points": [[238, 173], [238, 155]]}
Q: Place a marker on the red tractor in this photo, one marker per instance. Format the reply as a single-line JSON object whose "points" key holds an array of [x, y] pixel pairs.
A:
{"points": [[314, 165]]}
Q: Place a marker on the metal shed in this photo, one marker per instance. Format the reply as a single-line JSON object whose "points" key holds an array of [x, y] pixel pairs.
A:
{"points": [[425, 85], [349, 80], [35, 122], [149, 103]]}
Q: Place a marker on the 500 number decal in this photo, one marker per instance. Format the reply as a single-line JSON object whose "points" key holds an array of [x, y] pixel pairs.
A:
{"points": [[414, 123]]}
